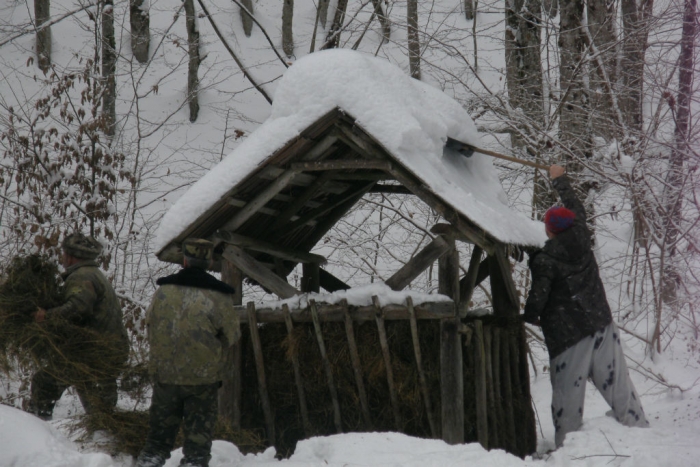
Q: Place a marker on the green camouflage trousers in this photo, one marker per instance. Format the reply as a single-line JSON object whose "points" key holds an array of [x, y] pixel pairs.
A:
{"points": [[172, 404]]}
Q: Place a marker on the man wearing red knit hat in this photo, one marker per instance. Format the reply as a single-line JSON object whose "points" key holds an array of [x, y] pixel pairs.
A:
{"points": [[568, 300]]}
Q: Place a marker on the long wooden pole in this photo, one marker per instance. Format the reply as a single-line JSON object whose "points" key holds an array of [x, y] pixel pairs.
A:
{"points": [[460, 146]]}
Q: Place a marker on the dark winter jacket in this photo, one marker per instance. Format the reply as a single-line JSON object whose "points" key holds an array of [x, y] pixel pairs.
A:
{"points": [[567, 295]]}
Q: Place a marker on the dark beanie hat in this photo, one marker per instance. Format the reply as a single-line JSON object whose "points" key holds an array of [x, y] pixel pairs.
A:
{"points": [[558, 219], [81, 246]]}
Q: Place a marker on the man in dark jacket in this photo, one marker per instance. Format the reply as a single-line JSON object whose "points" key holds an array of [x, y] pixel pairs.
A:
{"points": [[90, 303], [568, 300], [191, 322]]}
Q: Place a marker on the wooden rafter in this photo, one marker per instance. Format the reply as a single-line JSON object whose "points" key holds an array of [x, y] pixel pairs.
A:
{"points": [[300, 201], [419, 263], [342, 164], [277, 251], [256, 271]]}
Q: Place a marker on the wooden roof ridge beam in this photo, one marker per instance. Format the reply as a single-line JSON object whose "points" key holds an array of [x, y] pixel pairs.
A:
{"points": [[277, 251], [341, 164], [419, 263], [259, 201], [256, 271]]}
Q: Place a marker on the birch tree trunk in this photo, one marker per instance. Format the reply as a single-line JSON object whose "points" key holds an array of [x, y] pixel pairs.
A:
{"points": [[469, 9], [323, 11], [246, 18], [287, 34], [383, 20], [42, 13], [140, 23], [109, 63], [673, 195], [194, 59], [550, 7], [333, 37], [413, 39]]}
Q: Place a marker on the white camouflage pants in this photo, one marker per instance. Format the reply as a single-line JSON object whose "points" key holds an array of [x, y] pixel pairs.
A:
{"points": [[601, 358]]}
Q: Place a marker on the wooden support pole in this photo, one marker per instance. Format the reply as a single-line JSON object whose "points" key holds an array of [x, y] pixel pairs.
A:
{"points": [[503, 292], [419, 365], [356, 365], [303, 409], [499, 413], [327, 367], [384, 343], [490, 393], [262, 381], [482, 426], [231, 386], [507, 384], [451, 381], [448, 271], [311, 277], [468, 282], [419, 263], [258, 272]]}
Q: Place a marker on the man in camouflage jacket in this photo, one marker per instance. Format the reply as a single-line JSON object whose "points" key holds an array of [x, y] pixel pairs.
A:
{"points": [[90, 303], [190, 323], [568, 300]]}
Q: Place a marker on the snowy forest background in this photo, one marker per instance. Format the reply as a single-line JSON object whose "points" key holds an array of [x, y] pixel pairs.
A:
{"points": [[110, 109]]}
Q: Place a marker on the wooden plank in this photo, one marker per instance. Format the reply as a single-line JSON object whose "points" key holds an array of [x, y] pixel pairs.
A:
{"points": [[303, 409], [262, 381], [490, 393], [384, 344], [310, 279], [356, 365], [451, 381], [499, 414], [331, 283], [507, 392], [419, 263], [507, 275], [391, 189], [419, 366], [300, 201], [341, 164], [321, 147], [448, 271], [482, 425], [335, 313], [468, 282], [326, 367], [362, 176], [249, 243], [260, 200], [502, 287], [231, 386], [258, 272]]}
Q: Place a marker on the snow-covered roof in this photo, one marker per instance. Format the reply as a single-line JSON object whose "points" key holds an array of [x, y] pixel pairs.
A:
{"points": [[409, 118]]}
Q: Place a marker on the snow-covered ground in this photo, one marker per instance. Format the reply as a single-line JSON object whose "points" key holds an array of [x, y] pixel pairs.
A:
{"points": [[672, 440]]}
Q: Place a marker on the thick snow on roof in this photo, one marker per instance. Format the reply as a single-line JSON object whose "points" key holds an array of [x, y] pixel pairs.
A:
{"points": [[411, 119]]}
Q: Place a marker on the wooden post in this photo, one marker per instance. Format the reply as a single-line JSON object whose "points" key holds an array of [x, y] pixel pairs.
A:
{"points": [[482, 427], [503, 291], [499, 413], [327, 367], [356, 365], [468, 283], [384, 343], [230, 392], [419, 366], [310, 279], [260, 366], [490, 394], [506, 364], [297, 374], [451, 371]]}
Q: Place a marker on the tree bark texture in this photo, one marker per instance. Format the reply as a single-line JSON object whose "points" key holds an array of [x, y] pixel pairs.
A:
{"points": [[287, 34], [140, 35], [469, 9], [634, 45], [674, 180], [383, 19], [413, 39], [550, 7], [323, 11], [109, 64], [246, 18], [574, 126], [333, 37], [42, 13], [601, 25], [194, 59]]}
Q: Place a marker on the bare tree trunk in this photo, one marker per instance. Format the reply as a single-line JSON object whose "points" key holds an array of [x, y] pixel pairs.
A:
{"points": [[140, 34], [287, 34], [333, 37], [601, 25], [673, 195], [383, 20], [194, 59], [469, 9], [323, 11], [246, 18], [109, 64], [634, 45], [42, 13], [550, 7], [413, 39]]}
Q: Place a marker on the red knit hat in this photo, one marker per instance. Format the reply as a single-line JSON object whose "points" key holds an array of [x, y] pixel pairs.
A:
{"points": [[558, 219]]}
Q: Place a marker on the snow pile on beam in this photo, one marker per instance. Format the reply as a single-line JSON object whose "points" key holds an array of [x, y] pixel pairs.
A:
{"points": [[411, 119]]}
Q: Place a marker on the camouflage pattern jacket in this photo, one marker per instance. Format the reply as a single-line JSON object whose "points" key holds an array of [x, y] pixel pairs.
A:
{"points": [[92, 303], [190, 323], [567, 295]]}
